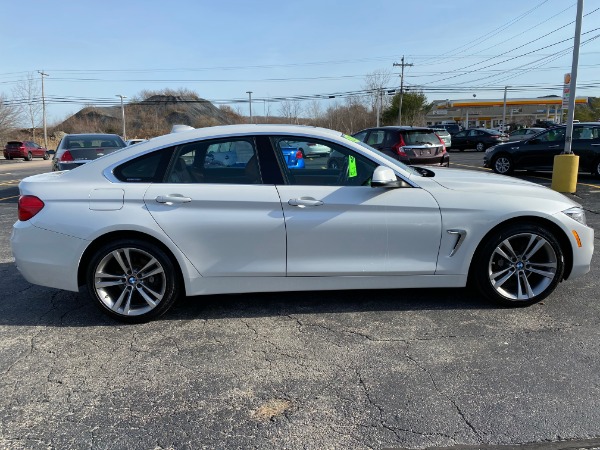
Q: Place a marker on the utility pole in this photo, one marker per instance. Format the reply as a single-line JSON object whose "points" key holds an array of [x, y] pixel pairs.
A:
{"points": [[250, 102], [402, 65], [566, 165], [123, 115], [42, 74]]}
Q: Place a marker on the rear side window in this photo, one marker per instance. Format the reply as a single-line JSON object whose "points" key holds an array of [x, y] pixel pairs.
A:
{"points": [[226, 161], [147, 168], [376, 137]]}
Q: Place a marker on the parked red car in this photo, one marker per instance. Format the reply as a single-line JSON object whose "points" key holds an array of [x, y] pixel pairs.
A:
{"points": [[24, 149]]}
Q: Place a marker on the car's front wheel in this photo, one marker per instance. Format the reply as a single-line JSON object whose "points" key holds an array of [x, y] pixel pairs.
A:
{"points": [[480, 147], [132, 280], [519, 265], [46, 156], [596, 168], [503, 165]]}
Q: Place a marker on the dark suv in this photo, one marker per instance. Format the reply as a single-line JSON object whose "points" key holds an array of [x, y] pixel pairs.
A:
{"points": [[451, 128], [410, 145], [24, 149]]}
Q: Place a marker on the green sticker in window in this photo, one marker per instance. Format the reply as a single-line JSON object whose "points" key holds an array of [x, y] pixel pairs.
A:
{"points": [[352, 167], [351, 138]]}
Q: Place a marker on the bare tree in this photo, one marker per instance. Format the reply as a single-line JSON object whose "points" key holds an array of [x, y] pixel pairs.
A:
{"points": [[27, 93], [290, 110], [315, 113], [375, 83], [9, 117]]}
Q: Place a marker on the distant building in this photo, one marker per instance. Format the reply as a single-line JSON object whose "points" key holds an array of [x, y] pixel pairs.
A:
{"points": [[487, 113]]}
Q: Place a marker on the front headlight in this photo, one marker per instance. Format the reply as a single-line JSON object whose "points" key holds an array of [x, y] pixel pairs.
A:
{"points": [[576, 213]]}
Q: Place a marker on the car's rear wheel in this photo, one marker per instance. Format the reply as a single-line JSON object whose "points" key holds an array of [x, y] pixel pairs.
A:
{"points": [[480, 146], [132, 280], [519, 266], [503, 165], [29, 156]]}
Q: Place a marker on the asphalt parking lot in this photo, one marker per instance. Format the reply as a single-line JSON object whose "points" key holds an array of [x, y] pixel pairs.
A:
{"points": [[360, 369]]}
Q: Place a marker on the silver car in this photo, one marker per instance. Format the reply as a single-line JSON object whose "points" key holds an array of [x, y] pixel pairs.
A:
{"points": [[523, 133], [444, 135]]}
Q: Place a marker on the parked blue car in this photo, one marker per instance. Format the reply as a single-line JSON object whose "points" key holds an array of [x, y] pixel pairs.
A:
{"points": [[293, 157]]}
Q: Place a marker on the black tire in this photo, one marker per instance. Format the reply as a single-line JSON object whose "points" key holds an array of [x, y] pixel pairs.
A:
{"points": [[29, 157], [518, 265], [596, 168], [480, 147], [503, 165], [117, 288], [46, 156]]}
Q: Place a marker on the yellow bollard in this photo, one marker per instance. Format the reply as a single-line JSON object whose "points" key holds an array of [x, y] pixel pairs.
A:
{"points": [[564, 173]]}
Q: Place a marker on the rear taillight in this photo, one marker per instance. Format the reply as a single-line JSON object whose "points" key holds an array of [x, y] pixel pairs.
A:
{"points": [[22, 148], [66, 156], [29, 206], [399, 147], [443, 145], [299, 154]]}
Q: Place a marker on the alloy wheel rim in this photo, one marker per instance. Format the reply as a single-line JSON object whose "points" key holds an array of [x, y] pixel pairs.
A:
{"points": [[522, 267], [502, 165], [130, 281]]}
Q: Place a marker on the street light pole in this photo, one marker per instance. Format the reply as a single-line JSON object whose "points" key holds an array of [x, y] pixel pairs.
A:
{"points": [[123, 115], [42, 74], [250, 102], [504, 111]]}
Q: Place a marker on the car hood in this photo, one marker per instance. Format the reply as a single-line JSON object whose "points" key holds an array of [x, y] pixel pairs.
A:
{"points": [[473, 181]]}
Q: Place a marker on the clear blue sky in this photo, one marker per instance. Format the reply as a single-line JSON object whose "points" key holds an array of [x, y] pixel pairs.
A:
{"points": [[221, 49]]}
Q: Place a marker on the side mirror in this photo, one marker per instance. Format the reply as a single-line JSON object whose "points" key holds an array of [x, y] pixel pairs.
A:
{"points": [[385, 177], [51, 152]]}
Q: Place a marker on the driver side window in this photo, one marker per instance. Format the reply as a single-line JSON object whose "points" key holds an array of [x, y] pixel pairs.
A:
{"points": [[552, 135], [330, 164]]}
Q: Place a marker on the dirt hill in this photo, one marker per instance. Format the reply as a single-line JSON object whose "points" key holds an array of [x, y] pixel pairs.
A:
{"points": [[150, 117]]}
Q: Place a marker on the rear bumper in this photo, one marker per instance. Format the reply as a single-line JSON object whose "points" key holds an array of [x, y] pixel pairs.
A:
{"points": [[46, 258], [441, 161], [14, 154]]}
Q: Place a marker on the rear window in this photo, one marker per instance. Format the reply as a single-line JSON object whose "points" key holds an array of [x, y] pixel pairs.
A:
{"points": [[14, 144], [93, 142], [420, 137], [494, 132]]}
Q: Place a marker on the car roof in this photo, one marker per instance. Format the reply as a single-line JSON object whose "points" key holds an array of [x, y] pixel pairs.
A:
{"points": [[397, 128], [91, 134], [244, 129]]}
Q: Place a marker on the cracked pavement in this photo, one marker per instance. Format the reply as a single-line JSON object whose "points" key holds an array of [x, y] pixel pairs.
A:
{"points": [[357, 369]]}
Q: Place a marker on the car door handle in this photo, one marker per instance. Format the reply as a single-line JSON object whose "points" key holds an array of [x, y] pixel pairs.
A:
{"points": [[304, 201], [172, 199]]}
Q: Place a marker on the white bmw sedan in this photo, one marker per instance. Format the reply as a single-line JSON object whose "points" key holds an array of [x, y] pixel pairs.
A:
{"points": [[148, 223]]}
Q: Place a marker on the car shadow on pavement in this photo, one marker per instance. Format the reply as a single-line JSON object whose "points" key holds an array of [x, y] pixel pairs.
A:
{"points": [[24, 304]]}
